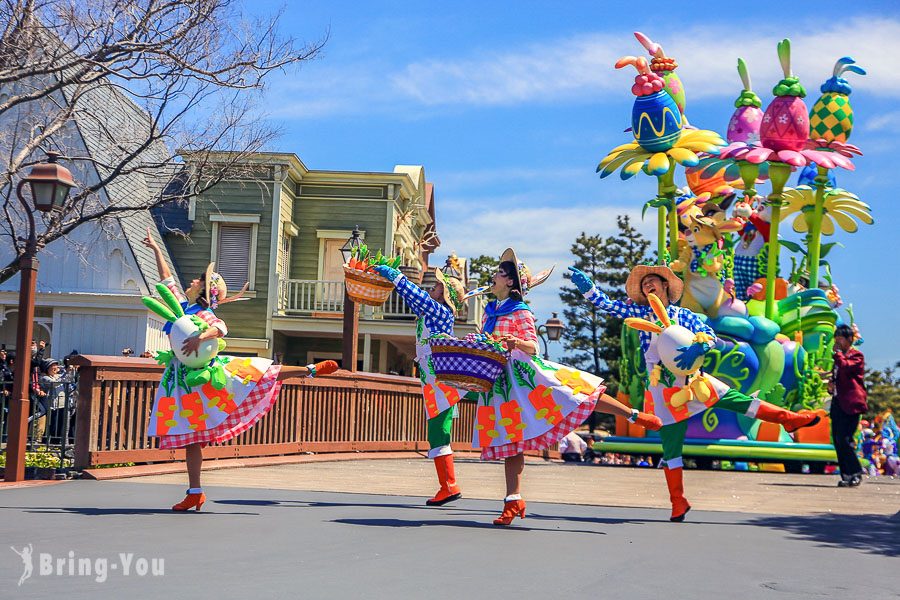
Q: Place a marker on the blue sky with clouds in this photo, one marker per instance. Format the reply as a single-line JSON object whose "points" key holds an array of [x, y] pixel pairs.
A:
{"points": [[509, 106]]}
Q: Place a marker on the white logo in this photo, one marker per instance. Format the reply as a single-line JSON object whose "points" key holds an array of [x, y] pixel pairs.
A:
{"points": [[99, 568], [27, 564]]}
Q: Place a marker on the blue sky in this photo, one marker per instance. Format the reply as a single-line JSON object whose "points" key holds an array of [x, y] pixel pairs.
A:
{"points": [[509, 106]]}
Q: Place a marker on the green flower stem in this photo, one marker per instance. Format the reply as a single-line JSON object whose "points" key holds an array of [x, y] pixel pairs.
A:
{"points": [[661, 234], [778, 174], [749, 173], [667, 190], [665, 193], [815, 228]]}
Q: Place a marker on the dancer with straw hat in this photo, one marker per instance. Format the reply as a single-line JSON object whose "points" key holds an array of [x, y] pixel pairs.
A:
{"points": [[189, 413], [662, 396], [436, 310], [534, 403]]}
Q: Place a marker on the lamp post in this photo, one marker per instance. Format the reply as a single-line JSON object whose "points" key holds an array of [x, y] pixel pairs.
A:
{"points": [[351, 310], [50, 184], [550, 331]]}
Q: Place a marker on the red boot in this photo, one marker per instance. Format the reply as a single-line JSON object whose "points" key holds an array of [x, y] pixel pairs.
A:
{"points": [[648, 421], [447, 476], [790, 420], [511, 510], [190, 501], [680, 505]]}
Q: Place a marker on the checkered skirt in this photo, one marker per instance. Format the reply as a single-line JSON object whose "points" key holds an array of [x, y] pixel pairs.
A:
{"points": [[257, 403]]}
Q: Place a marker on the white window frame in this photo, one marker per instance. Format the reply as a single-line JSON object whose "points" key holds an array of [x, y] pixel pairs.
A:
{"points": [[286, 244], [332, 234], [237, 220]]}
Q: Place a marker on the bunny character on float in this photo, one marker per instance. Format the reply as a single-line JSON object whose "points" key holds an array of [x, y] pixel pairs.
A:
{"points": [[701, 258]]}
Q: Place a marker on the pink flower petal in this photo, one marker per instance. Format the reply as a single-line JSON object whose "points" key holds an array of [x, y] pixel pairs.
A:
{"points": [[792, 157], [758, 155]]}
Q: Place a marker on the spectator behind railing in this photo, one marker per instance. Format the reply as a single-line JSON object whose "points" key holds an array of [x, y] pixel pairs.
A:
{"points": [[55, 383]]}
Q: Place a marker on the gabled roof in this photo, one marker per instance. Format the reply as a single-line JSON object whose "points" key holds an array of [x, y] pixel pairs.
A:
{"points": [[105, 119]]}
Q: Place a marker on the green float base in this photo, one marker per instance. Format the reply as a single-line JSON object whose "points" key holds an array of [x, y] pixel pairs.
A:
{"points": [[728, 449]]}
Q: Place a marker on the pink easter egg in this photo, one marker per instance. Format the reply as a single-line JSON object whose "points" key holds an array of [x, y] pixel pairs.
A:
{"points": [[785, 124]]}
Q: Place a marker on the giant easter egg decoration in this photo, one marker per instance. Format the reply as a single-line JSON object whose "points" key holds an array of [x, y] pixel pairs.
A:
{"points": [[747, 117], [785, 124], [656, 121], [831, 117]]}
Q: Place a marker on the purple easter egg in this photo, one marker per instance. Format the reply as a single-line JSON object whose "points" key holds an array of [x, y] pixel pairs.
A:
{"points": [[744, 125]]}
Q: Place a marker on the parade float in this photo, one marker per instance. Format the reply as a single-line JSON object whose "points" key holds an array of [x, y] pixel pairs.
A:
{"points": [[724, 238]]}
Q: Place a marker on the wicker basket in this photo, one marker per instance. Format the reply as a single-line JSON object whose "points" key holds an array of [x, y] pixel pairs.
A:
{"points": [[367, 288], [472, 366]]}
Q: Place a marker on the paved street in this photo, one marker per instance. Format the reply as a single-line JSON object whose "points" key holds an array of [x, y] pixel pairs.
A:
{"points": [[271, 542]]}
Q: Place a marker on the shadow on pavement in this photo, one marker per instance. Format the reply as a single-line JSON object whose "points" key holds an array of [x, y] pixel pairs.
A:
{"points": [[803, 485], [321, 504], [455, 523], [93, 511], [873, 534]]}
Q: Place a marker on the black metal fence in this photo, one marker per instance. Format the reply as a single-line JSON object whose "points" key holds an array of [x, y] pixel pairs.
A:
{"points": [[51, 422]]}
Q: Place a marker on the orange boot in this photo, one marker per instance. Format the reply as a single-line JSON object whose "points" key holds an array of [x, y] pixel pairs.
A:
{"points": [[190, 501], [647, 421], [680, 505], [511, 510], [447, 476], [790, 420]]}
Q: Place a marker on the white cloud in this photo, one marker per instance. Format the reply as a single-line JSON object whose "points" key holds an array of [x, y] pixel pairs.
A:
{"points": [[579, 69], [880, 122]]}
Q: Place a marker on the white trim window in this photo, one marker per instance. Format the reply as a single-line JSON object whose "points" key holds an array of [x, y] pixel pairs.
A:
{"points": [[234, 242]]}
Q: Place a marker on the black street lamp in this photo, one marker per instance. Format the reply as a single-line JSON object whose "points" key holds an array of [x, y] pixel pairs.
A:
{"points": [[550, 331], [351, 310], [50, 184], [354, 241]]}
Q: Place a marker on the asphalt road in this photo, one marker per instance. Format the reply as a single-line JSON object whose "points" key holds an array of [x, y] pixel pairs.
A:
{"points": [[264, 543]]}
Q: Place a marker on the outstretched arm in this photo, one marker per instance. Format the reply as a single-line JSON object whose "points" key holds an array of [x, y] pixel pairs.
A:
{"points": [[596, 297], [438, 317], [161, 265]]}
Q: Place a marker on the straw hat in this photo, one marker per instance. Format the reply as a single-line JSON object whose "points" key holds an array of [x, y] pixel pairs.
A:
{"points": [[217, 290], [633, 284], [526, 279], [453, 291]]}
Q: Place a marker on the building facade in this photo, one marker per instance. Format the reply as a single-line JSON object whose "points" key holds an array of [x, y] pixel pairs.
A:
{"points": [[282, 231]]}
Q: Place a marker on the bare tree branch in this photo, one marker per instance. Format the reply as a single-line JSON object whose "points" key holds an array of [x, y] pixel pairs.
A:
{"points": [[159, 94]]}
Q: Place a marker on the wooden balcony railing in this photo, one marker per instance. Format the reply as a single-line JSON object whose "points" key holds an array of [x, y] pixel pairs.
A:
{"points": [[309, 296], [340, 413]]}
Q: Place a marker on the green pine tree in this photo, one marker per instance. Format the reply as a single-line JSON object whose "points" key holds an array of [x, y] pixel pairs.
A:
{"points": [[482, 268], [883, 390], [592, 337]]}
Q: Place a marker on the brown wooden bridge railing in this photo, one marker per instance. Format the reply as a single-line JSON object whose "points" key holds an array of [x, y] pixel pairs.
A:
{"points": [[340, 413]]}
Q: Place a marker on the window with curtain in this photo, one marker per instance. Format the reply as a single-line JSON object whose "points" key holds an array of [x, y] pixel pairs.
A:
{"points": [[233, 254]]}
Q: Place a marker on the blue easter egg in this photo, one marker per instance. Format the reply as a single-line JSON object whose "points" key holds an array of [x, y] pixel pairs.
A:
{"points": [[656, 121]]}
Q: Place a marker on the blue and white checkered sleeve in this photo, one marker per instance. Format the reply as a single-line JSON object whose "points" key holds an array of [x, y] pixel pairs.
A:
{"points": [[616, 308], [438, 317]]}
